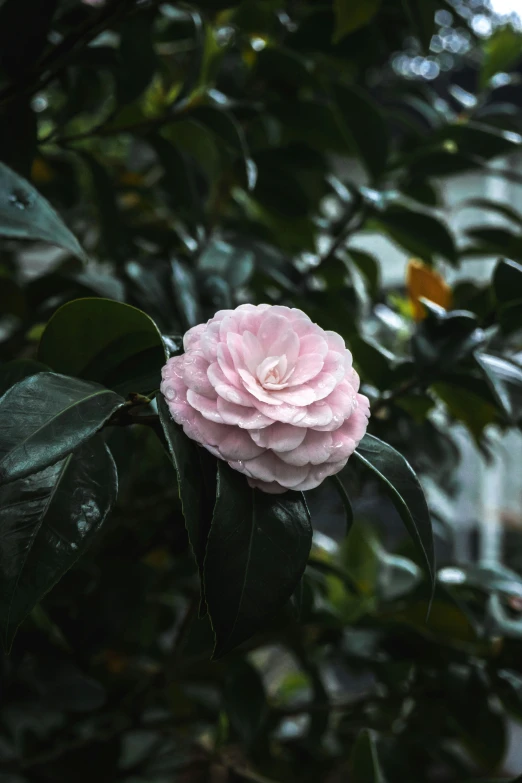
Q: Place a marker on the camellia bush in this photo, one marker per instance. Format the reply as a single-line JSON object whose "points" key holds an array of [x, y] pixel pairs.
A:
{"points": [[217, 560]]}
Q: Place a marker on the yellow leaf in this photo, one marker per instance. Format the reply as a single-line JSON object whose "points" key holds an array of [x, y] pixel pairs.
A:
{"points": [[423, 282]]}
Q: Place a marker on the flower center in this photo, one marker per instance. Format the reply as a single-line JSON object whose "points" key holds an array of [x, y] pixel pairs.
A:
{"points": [[272, 372]]}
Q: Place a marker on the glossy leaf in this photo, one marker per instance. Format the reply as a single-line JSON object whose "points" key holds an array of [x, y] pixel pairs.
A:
{"points": [[226, 127], [350, 15], [256, 553], [369, 268], [365, 765], [362, 121], [505, 380], [105, 341], [402, 485], [423, 235], [47, 521], [196, 508], [46, 417], [185, 293], [16, 370], [26, 214], [233, 264]]}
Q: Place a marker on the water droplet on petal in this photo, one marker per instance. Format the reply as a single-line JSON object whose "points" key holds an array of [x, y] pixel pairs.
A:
{"points": [[170, 393]]}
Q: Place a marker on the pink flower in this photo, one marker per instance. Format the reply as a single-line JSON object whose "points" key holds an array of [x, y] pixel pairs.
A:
{"points": [[269, 392]]}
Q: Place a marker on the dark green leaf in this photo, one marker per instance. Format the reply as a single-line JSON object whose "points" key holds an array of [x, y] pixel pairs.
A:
{"points": [[481, 726], [507, 281], [137, 58], [105, 341], [185, 456], [114, 234], [233, 264], [47, 521], [499, 207], [365, 125], [364, 760], [46, 417], [369, 268], [350, 15], [25, 214], [256, 553], [185, 293], [509, 689], [505, 380], [467, 407], [421, 234], [402, 485], [245, 701], [179, 181], [444, 339], [17, 370], [225, 126], [494, 241]]}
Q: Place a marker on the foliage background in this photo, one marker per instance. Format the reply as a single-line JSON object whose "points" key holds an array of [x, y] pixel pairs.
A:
{"points": [[197, 156]]}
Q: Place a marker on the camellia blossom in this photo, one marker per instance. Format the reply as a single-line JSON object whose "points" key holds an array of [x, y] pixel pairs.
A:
{"points": [[271, 393]]}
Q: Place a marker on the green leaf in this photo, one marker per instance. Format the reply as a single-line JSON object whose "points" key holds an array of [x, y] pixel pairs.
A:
{"points": [[505, 381], [422, 17], [365, 765], [25, 214], [481, 725], [185, 293], [494, 241], [256, 553], [196, 509], [245, 701], [17, 370], [366, 128], [105, 341], [507, 281], [499, 207], [47, 521], [467, 407], [46, 417], [351, 15], [402, 485], [369, 268], [137, 58], [502, 51], [233, 264], [421, 234], [178, 180], [225, 126], [509, 689], [114, 234]]}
